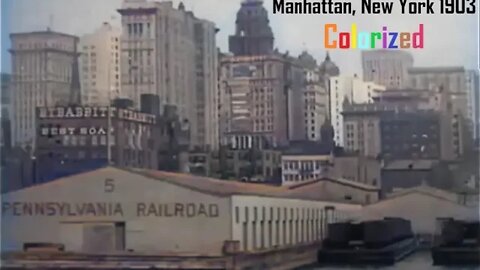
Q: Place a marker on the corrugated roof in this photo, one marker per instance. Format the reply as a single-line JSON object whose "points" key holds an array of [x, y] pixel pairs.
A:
{"points": [[211, 185], [312, 190], [343, 182]]}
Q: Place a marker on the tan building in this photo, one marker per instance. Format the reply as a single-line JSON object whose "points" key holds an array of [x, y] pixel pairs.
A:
{"points": [[303, 168], [362, 130], [43, 65], [453, 80], [111, 211], [357, 168], [253, 98], [344, 91], [236, 164], [169, 52], [100, 72], [422, 206], [337, 189], [387, 67]]}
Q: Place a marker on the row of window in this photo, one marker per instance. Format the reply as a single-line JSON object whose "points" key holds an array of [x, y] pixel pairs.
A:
{"points": [[290, 226], [298, 178], [306, 165]]}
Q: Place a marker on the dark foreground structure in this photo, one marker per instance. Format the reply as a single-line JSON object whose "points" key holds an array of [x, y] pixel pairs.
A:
{"points": [[458, 243], [378, 242]]}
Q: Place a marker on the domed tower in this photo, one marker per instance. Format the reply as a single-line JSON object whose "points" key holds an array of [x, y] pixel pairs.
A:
{"points": [[328, 68], [253, 34], [307, 60]]}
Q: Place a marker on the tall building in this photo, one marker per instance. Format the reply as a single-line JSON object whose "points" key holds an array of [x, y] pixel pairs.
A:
{"points": [[387, 67], [5, 95], [473, 88], [261, 95], [254, 99], [327, 70], [406, 123], [44, 73], [100, 65], [455, 85], [169, 52], [346, 90], [253, 34], [206, 122], [315, 99], [451, 79]]}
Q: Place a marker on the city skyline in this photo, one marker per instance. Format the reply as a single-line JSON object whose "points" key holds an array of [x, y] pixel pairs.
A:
{"points": [[78, 18]]}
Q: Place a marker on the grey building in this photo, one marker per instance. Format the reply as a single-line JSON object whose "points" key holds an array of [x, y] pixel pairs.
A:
{"points": [[473, 86], [253, 34], [44, 64], [408, 173], [257, 97], [75, 139], [452, 80], [6, 99], [6, 95], [368, 127], [261, 90], [169, 52], [387, 67], [410, 135]]}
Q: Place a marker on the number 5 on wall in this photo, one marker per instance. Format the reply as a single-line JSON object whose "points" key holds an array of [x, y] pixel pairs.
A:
{"points": [[109, 185]]}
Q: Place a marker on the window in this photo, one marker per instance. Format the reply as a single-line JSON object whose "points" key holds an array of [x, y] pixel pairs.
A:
{"points": [[237, 214], [94, 140]]}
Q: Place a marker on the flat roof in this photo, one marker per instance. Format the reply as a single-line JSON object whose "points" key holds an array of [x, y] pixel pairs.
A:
{"points": [[407, 165], [49, 32], [436, 69]]}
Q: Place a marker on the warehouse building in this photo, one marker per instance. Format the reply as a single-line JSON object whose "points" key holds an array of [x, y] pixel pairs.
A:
{"points": [[423, 205], [150, 212]]}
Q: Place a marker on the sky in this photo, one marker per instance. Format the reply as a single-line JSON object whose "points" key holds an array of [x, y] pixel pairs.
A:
{"points": [[450, 40]]}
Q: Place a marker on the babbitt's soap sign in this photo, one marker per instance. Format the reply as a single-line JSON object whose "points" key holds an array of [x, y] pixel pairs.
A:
{"points": [[110, 209]]}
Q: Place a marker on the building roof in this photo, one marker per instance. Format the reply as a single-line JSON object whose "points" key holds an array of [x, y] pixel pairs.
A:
{"points": [[313, 190], [306, 148], [211, 185], [48, 32], [340, 181], [435, 69], [425, 190], [408, 165]]}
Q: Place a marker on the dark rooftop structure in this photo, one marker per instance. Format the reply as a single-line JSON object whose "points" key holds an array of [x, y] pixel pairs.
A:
{"points": [[301, 148]]}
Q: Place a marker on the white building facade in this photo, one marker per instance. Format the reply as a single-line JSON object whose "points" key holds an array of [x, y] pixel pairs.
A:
{"points": [[162, 214], [42, 64], [301, 168], [350, 90], [100, 71], [473, 88]]}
